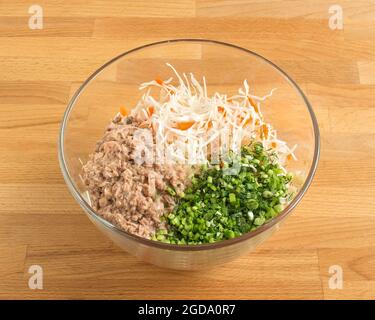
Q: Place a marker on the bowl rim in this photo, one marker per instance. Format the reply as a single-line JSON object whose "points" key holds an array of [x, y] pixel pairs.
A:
{"points": [[197, 247]]}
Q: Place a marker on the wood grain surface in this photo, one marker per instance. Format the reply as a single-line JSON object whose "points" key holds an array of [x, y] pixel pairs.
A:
{"points": [[40, 222]]}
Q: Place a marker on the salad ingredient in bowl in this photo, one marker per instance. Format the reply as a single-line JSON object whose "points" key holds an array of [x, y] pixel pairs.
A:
{"points": [[186, 167]]}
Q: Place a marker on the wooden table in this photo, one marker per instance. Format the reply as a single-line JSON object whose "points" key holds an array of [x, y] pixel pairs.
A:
{"points": [[41, 224]]}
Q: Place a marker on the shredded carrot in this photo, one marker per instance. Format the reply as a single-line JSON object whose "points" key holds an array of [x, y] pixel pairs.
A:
{"points": [[239, 120], [289, 157], [249, 120], [184, 125], [150, 111], [123, 111], [273, 144], [254, 104], [220, 109], [159, 81], [264, 131], [209, 124]]}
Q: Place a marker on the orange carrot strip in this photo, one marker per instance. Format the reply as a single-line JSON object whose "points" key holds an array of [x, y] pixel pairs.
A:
{"points": [[150, 111], [123, 111], [184, 125], [248, 121], [252, 102], [159, 81], [239, 120], [221, 110], [264, 131]]}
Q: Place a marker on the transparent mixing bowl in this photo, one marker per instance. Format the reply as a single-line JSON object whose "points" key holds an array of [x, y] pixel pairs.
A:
{"points": [[225, 67]]}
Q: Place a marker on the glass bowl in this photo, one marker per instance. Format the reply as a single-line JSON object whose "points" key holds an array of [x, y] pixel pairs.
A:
{"points": [[225, 67]]}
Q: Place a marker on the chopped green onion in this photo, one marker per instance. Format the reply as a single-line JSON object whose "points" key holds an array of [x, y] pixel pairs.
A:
{"points": [[235, 205]]}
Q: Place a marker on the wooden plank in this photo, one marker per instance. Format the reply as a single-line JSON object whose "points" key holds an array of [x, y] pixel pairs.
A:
{"points": [[12, 26], [310, 9], [366, 72], [101, 8], [12, 261], [112, 277]]}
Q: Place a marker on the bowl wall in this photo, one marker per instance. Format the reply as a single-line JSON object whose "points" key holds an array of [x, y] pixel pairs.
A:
{"points": [[184, 260]]}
